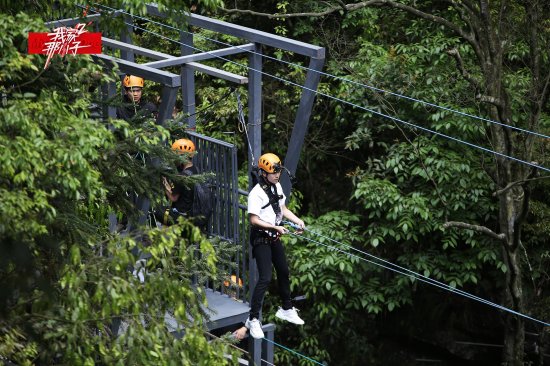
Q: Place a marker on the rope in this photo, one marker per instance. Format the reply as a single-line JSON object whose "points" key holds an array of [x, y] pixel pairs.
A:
{"points": [[243, 124], [228, 343], [222, 98], [407, 272], [343, 78], [295, 352], [353, 104]]}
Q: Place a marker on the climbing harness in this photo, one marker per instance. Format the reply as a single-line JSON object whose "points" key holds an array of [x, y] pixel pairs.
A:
{"points": [[263, 236]]}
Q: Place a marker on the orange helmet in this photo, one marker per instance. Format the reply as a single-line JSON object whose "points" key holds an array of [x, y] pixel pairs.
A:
{"points": [[183, 146], [131, 80], [270, 163], [233, 282]]}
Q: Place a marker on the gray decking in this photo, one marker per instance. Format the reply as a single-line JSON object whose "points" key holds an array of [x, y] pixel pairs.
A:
{"points": [[224, 310]]}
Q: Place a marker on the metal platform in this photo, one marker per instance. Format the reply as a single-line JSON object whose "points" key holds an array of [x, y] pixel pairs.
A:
{"points": [[225, 311]]}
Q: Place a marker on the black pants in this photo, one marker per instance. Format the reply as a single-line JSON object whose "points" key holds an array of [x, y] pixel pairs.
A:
{"points": [[265, 254]]}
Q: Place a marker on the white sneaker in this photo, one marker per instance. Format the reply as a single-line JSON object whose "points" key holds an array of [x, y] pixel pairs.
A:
{"points": [[290, 315], [255, 328]]}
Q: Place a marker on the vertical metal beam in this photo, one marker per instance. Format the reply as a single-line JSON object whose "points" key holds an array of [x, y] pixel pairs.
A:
{"points": [[267, 349], [235, 205], [255, 350], [168, 101], [126, 37], [254, 106], [301, 122], [188, 81], [108, 92], [254, 131], [262, 352], [143, 204]]}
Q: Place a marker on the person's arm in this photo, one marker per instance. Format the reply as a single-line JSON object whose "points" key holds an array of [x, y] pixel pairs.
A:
{"points": [[172, 196], [256, 221], [240, 333], [292, 217]]}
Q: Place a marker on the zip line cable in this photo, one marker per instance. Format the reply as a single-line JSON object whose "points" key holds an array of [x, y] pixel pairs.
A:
{"points": [[228, 343], [236, 347], [295, 352], [340, 77], [407, 272], [268, 340], [221, 99], [355, 105]]}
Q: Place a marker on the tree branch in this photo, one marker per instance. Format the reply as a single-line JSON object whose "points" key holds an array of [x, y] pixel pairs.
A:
{"points": [[513, 184], [343, 6], [26, 82], [453, 52], [469, 37], [480, 229], [486, 21], [497, 102], [545, 90], [324, 13]]}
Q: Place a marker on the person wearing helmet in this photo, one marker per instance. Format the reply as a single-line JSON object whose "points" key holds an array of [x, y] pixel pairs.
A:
{"points": [[133, 103], [182, 196], [266, 209]]}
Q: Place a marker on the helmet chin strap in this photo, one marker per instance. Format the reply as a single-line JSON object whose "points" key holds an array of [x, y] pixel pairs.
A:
{"points": [[293, 179]]}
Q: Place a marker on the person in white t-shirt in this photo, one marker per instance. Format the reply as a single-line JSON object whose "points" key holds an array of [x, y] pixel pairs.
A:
{"points": [[266, 209]]}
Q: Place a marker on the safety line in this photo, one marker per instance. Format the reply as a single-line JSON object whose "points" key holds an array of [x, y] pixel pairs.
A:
{"points": [[295, 352], [400, 270], [228, 343], [242, 121], [409, 273], [221, 99], [238, 348], [358, 106], [338, 77]]}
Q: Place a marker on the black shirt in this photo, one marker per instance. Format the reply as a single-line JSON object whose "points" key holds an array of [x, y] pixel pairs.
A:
{"points": [[128, 111], [184, 204]]}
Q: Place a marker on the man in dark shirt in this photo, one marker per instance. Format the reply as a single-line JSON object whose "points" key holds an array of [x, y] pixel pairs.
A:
{"points": [[181, 196], [134, 105]]}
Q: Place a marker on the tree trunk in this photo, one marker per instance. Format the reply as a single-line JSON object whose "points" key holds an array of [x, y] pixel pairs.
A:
{"points": [[512, 203], [514, 333]]}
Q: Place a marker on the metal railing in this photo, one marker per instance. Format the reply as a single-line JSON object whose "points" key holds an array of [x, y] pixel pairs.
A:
{"points": [[218, 160]]}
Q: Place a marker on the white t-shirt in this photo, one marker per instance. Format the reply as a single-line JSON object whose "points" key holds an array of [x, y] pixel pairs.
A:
{"points": [[257, 199]]}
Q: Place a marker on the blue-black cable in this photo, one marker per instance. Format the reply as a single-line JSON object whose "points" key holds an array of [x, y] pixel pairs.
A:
{"points": [[339, 77], [407, 272], [295, 352], [355, 105]]}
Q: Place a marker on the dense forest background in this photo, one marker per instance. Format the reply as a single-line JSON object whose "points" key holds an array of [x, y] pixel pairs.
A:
{"points": [[471, 219]]}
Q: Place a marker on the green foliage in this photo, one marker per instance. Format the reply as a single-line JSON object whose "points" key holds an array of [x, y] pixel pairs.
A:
{"points": [[537, 255], [406, 185], [411, 192], [97, 291], [14, 64], [338, 287], [65, 280]]}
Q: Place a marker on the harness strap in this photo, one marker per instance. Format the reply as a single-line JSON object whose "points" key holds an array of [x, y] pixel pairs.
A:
{"points": [[274, 197], [267, 236]]}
